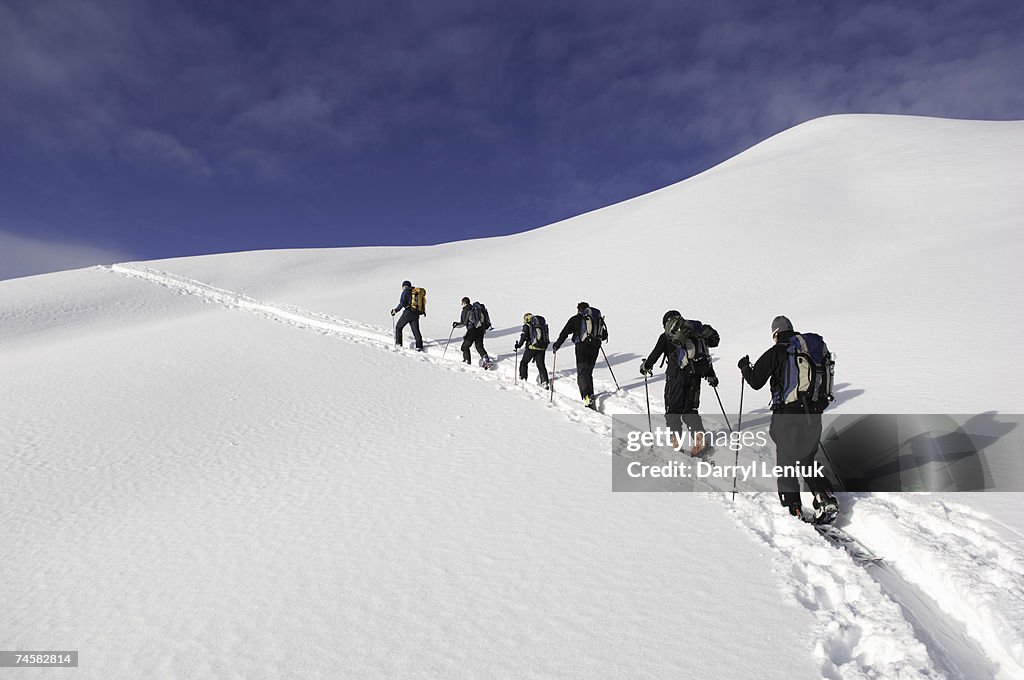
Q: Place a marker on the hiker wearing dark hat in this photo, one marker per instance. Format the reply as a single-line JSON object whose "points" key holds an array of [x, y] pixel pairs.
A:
{"points": [[796, 423], [535, 338], [588, 331], [476, 321], [684, 343], [414, 306]]}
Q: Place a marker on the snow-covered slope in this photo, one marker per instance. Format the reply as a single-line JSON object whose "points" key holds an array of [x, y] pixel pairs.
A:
{"points": [[859, 227], [218, 466]]}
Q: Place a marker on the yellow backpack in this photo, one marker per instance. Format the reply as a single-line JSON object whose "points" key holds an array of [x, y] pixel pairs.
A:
{"points": [[419, 300]]}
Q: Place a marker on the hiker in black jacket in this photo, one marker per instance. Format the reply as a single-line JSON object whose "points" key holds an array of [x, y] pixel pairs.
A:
{"points": [[536, 344], [410, 317], [476, 322], [682, 380], [588, 331], [795, 431]]}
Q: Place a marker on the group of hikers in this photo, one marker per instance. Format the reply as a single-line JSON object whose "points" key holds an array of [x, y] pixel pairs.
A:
{"points": [[798, 367]]}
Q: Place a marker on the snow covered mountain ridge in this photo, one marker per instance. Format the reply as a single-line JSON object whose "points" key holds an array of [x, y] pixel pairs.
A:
{"points": [[237, 476]]}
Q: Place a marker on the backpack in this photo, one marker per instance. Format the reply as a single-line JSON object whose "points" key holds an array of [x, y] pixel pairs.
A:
{"points": [[418, 300], [592, 327], [478, 316], [809, 374], [538, 333], [692, 339]]}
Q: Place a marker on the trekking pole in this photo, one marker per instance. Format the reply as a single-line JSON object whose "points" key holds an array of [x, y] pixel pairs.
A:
{"points": [[727, 423], [515, 369], [647, 394], [554, 363], [447, 343], [393, 328], [739, 426], [842, 487], [610, 368]]}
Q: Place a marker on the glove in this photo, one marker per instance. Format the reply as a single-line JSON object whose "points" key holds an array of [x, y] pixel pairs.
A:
{"points": [[455, 324], [392, 312], [643, 368], [744, 364], [554, 347], [713, 380], [517, 346]]}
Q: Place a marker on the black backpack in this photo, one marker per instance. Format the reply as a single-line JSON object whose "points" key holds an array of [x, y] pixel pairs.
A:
{"points": [[692, 339], [538, 333], [478, 316], [592, 327]]}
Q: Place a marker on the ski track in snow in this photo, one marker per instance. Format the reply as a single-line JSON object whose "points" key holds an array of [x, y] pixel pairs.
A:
{"points": [[566, 393], [961, 559], [950, 554]]}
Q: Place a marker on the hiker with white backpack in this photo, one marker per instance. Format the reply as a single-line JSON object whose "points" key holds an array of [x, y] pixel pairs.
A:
{"points": [[535, 339], [801, 370], [588, 331], [684, 345], [476, 320]]}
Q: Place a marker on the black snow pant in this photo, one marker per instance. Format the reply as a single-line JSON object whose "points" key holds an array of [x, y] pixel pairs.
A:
{"points": [[691, 420], [796, 436], [682, 397], [536, 356], [412, 318], [474, 336], [586, 360]]}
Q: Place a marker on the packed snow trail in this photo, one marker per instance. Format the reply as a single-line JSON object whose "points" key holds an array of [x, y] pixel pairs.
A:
{"points": [[857, 604], [567, 396], [872, 621], [960, 558]]}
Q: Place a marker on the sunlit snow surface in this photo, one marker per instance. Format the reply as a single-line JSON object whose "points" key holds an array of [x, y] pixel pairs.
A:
{"points": [[220, 466]]}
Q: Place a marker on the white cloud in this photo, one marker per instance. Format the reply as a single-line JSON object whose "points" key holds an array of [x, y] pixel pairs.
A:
{"points": [[26, 256]]}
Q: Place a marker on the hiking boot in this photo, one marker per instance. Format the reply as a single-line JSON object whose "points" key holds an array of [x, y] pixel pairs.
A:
{"points": [[825, 508], [590, 402], [699, 445], [796, 511]]}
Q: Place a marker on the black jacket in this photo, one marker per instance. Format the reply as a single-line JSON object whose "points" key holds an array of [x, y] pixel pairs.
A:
{"points": [[405, 299], [573, 325], [771, 366], [526, 336]]}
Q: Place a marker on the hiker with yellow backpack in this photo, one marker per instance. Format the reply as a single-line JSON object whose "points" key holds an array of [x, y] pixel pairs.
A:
{"points": [[414, 302], [535, 339]]}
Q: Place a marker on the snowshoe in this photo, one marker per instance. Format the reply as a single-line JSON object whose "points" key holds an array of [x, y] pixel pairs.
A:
{"points": [[825, 508]]}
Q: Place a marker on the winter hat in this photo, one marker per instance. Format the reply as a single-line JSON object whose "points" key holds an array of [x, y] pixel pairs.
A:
{"points": [[583, 305], [781, 324], [668, 315], [406, 283], [465, 301], [527, 317]]}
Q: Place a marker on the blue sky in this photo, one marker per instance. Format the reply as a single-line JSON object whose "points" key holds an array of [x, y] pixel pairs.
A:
{"points": [[141, 129]]}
